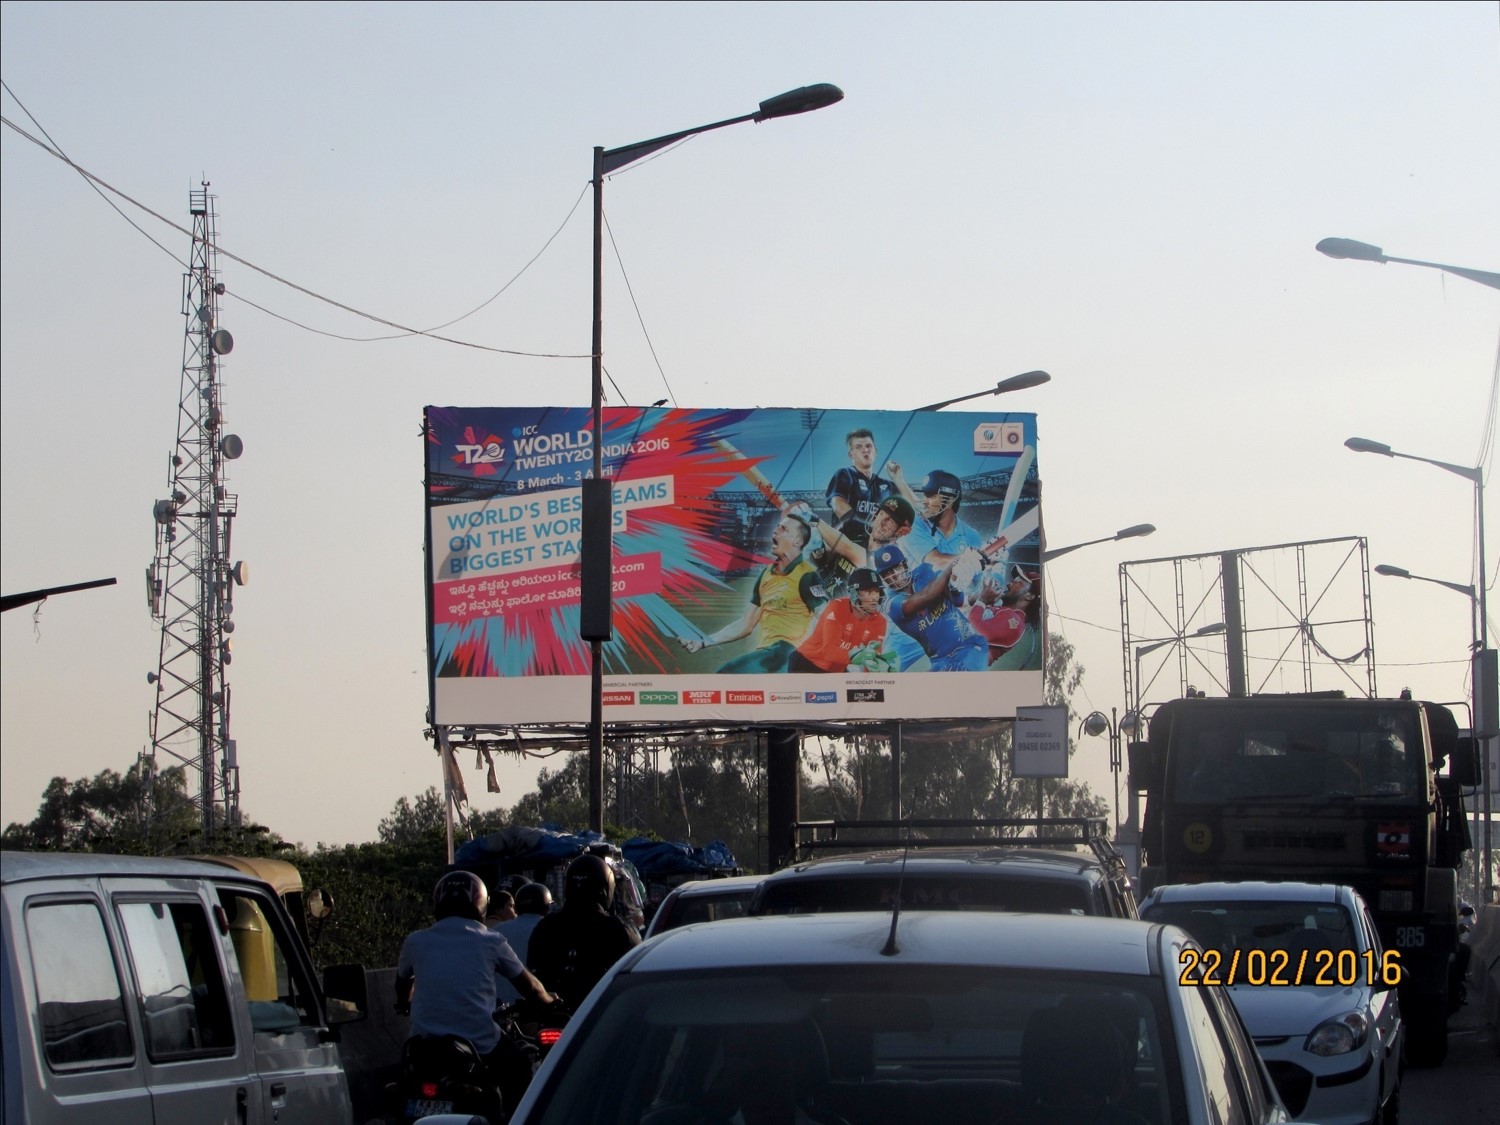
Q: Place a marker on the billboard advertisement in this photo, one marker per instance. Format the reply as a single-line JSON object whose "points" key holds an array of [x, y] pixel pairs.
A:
{"points": [[769, 565]]}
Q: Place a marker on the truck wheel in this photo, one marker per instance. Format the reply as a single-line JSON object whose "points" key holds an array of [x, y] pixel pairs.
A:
{"points": [[1427, 1035]]}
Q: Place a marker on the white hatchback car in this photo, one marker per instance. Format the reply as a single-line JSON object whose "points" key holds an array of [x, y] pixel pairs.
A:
{"points": [[1305, 967], [947, 1016]]}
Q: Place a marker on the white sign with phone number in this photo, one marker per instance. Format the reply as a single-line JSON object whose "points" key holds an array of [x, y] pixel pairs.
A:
{"points": [[1040, 739]]}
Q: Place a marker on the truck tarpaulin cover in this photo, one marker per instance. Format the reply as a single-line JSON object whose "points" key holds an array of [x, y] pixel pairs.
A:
{"points": [[769, 565]]}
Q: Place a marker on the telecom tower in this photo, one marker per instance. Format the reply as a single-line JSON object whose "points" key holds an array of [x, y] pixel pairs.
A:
{"points": [[190, 583]]}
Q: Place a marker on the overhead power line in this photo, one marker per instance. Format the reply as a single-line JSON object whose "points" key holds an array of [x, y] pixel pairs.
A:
{"points": [[404, 329]]}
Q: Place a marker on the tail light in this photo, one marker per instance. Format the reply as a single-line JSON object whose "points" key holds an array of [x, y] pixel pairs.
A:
{"points": [[429, 1090], [549, 1035]]}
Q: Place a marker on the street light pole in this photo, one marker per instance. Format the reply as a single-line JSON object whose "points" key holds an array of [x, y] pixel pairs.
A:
{"points": [[1484, 723], [1474, 686], [1116, 726], [1364, 252], [596, 543], [1135, 531], [1015, 383]]}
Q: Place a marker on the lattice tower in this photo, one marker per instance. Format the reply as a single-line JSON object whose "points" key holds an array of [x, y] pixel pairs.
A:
{"points": [[191, 582]]}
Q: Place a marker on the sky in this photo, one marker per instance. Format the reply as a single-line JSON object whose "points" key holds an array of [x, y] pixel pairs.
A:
{"points": [[1124, 195]]}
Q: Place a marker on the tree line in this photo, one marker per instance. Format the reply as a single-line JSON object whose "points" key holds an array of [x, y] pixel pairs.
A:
{"points": [[706, 786]]}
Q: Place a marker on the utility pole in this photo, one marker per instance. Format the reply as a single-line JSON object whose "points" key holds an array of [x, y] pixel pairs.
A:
{"points": [[190, 582]]}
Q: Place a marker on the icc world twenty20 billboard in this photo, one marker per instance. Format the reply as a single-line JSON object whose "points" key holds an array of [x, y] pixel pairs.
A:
{"points": [[776, 565]]}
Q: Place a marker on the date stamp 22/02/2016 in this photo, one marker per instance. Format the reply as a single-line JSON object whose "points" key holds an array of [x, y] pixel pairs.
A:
{"points": [[1281, 968]]}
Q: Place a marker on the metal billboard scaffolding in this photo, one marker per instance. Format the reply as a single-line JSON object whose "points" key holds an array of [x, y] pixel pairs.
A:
{"points": [[1292, 617]]}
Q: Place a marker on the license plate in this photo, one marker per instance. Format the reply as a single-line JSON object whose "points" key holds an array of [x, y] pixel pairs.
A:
{"points": [[422, 1107]]}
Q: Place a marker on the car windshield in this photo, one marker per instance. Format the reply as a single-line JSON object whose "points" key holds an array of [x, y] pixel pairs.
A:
{"points": [[923, 892], [891, 1043], [1239, 926], [1301, 754]]}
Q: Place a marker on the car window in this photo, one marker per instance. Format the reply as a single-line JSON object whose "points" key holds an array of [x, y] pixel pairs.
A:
{"points": [[861, 1042], [1216, 1060], [1259, 1094], [814, 895], [184, 1001], [280, 996], [79, 998], [1246, 925]]}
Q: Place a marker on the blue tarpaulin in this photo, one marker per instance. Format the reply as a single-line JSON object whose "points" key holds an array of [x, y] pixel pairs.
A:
{"points": [[657, 859]]}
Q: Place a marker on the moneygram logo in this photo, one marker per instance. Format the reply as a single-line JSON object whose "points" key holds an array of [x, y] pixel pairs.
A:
{"points": [[822, 697], [786, 697], [866, 695], [658, 697]]}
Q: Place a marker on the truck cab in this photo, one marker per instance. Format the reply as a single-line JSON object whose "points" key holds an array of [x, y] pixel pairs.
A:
{"points": [[1320, 788]]}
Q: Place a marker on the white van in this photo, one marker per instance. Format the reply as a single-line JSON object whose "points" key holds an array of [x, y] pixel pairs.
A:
{"points": [[143, 991]]}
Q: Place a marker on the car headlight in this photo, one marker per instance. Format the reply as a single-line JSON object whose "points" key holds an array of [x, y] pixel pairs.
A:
{"points": [[1339, 1035]]}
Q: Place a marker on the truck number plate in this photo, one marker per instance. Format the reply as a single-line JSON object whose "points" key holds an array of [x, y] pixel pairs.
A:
{"points": [[422, 1107], [1411, 937]]}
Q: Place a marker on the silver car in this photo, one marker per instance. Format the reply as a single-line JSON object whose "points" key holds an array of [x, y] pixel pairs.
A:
{"points": [[1305, 968], [944, 1016]]}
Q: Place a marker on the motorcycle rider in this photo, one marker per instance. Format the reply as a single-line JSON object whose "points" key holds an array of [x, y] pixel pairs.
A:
{"points": [[534, 902], [455, 965], [575, 946]]}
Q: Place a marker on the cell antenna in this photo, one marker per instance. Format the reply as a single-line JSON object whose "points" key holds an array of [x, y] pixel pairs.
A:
{"points": [[190, 583]]}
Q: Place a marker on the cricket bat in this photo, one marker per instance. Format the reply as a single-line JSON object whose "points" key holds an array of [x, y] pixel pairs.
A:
{"points": [[1013, 488], [997, 550], [751, 473]]}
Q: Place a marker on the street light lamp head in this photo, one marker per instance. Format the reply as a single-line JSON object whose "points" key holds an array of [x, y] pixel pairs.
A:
{"points": [[1392, 571], [1095, 723], [1135, 531], [1130, 723], [1349, 248], [1211, 630], [1365, 445], [1022, 381], [804, 99]]}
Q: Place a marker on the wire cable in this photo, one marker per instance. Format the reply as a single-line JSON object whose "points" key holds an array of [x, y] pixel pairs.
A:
{"points": [[640, 318], [404, 329]]}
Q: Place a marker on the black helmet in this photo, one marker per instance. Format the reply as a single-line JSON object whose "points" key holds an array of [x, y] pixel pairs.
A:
{"points": [[533, 898], [943, 484], [590, 882], [864, 578], [460, 893]]}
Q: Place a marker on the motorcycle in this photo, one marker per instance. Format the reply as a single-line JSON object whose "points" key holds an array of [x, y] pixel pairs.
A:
{"points": [[443, 1074]]}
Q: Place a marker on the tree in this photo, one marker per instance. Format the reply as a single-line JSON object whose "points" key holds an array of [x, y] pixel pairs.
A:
{"points": [[140, 812], [414, 823]]}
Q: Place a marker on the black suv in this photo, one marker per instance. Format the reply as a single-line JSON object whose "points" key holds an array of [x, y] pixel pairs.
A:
{"points": [[1059, 866]]}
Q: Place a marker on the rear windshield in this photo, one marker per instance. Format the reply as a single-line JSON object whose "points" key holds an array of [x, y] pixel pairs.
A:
{"points": [[923, 892], [892, 1043], [1245, 926]]}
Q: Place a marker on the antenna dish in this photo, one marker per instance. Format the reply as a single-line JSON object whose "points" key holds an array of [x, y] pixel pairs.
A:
{"points": [[240, 572], [231, 446], [164, 511], [151, 677], [221, 342]]}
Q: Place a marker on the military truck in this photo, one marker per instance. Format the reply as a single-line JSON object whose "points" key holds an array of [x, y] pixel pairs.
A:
{"points": [[1321, 788]]}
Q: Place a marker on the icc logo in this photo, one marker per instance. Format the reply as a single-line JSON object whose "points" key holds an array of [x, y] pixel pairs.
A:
{"points": [[490, 453]]}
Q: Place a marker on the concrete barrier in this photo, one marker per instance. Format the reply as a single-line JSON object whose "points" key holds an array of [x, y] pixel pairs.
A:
{"points": [[1484, 965], [371, 1049]]}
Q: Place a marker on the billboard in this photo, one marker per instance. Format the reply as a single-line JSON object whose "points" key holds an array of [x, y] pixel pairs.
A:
{"points": [[769, 565]]}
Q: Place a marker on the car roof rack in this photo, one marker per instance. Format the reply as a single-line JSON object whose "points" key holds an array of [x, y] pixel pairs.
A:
{"points": [[812, 836]]}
